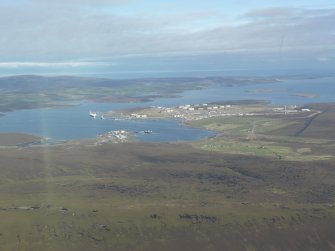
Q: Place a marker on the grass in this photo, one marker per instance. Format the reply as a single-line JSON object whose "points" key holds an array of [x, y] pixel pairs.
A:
{"points": [[160, 196], [264, 148], [270, 136], [115, 220]]}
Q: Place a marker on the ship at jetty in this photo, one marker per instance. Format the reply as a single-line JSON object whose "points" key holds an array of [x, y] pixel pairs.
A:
{"points": [[93, 114]]}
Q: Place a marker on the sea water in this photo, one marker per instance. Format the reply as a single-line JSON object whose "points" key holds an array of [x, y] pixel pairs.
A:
{"points": [[74, 122]]}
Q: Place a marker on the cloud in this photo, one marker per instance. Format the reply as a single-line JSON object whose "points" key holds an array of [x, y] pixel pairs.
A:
{"points": [[309, 30], [51, 64], [40, 33], [78, 2], [325, 59], [269, 13]]}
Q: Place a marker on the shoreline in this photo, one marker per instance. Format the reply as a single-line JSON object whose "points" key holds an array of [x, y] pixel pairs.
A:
{"points": [[25, 139], [10, 139]]}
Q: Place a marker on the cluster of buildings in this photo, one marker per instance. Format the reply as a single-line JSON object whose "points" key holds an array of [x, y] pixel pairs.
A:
{"points": [[202, 111], [202, 107], [138, 116], [197, 111], [119, 136]]}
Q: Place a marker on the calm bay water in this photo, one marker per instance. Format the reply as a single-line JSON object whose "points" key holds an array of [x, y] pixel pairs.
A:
{"points": [[74, 122], [279, 93]]}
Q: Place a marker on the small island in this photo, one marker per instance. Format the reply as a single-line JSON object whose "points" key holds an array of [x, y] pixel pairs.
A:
{"points": [[305, 95]]}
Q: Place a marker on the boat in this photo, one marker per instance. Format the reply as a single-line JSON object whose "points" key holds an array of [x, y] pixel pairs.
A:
{"points": [[93, 114]]}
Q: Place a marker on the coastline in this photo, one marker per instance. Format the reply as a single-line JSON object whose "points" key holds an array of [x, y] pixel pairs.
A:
{"points": [[19, 139]]}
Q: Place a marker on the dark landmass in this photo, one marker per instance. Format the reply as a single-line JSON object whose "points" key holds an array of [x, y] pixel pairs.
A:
{"points": [[29, 91], [14, 139], [322, 126]]}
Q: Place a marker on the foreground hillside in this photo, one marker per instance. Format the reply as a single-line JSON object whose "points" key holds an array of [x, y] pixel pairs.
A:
{"points": [[136, 196]]}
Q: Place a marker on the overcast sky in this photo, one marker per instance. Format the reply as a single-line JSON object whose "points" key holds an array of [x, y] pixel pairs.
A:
{"points": [[79, 36]]}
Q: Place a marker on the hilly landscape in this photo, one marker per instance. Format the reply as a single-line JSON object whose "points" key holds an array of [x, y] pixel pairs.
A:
{"points": [[272, 189], [167, 125]]}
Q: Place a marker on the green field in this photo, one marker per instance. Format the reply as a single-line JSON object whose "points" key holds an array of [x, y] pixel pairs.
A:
{"points": [[291, 137]]}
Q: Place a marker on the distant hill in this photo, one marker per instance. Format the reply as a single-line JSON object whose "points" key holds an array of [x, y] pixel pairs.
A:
{"points": [[33, 82], [31, 91]]}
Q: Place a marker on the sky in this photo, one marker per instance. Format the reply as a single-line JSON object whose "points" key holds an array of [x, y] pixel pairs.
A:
{"points": [[129, 37]]}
